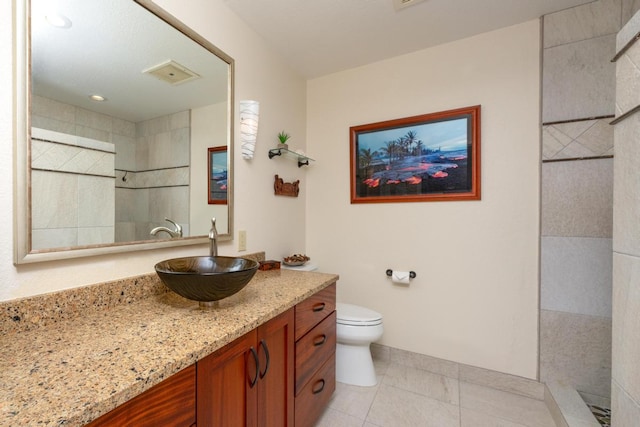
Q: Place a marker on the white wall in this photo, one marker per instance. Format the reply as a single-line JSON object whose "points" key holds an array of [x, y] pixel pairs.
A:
{"points": [[208, 129], [275, 225], [475, 298]]}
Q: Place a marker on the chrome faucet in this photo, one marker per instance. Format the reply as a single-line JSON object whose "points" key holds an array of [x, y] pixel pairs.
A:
{"points": [[177, 232], [213, 239]]}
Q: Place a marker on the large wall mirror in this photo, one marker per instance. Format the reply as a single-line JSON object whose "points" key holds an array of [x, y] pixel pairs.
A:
{"points": [[119, 105]]}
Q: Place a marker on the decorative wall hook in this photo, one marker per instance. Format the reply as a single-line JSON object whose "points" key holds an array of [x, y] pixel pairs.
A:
{"points": [[281, 188]]}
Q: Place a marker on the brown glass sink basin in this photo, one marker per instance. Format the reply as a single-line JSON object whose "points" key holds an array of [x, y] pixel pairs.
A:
{"points": [[205, 278]]}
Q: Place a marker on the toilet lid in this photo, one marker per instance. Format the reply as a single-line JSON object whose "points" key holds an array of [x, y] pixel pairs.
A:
{"points": [[349, 314]]}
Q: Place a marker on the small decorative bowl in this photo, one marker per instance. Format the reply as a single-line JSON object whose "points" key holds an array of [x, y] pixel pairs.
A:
{"points": [[296, 260]]}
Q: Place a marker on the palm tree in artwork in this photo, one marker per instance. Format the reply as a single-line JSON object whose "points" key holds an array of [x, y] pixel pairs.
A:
{"points": [[389, 150], [365, 160], [410, 138], [418, 150], [401, 143]]}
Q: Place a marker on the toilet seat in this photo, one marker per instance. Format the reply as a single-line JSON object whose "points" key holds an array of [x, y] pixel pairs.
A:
{"points": [[354, 315]]}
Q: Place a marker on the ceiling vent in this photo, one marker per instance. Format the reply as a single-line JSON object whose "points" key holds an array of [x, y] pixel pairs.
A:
{"points": [[401, 4], [172, 73]]}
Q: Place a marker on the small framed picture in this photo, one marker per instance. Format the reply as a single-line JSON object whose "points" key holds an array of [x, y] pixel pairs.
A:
{"points": [[218, 170]]}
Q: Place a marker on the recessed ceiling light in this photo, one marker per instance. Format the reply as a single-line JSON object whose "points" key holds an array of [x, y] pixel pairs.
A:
{"points": [[97, 98], [58, 20]]}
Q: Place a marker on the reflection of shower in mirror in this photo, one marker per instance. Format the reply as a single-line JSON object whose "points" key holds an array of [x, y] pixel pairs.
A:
{"points": [[108, 197]]}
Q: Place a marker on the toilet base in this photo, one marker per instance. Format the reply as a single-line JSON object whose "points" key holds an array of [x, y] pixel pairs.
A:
{"points": [[354, 365]]}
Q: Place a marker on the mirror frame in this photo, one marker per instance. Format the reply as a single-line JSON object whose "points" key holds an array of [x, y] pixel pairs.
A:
{"points": [[22, 148]]}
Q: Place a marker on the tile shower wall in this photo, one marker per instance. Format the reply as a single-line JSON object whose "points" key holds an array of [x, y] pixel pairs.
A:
{"points": [[72, 189], [152, 183], [576, 267], [85, 170], [152, 157], [626, 235]]}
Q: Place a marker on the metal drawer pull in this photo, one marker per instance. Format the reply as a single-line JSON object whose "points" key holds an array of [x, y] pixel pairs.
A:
{"points": [[266, 354], [319, 307], [255, 358], [318, 342], [319, 390]]}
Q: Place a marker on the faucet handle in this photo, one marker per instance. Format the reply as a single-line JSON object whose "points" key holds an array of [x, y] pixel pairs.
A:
{"points": [[178, 227]]}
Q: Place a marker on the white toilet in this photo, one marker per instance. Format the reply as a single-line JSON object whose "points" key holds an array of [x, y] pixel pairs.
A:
{"points": [[357, 327]]}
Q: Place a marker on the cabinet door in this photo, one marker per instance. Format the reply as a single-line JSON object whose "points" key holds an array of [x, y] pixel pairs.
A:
{"points": [[170, 403], [275, 387], [227, 385]]}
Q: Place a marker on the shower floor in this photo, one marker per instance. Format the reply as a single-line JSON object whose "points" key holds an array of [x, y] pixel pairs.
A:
{"points": [[603, 415]]}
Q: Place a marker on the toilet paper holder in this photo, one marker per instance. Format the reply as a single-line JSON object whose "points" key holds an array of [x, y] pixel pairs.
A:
{"points": [[412, 274]]}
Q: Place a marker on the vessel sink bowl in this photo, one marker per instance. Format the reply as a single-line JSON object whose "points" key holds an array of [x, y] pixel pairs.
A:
{"points": [[205, 278]]}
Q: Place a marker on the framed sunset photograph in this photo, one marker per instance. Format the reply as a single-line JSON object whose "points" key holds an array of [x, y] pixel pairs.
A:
{"points": [[431, 157], [217, 165]]}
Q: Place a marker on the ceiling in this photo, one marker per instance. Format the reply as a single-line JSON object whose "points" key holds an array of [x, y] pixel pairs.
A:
{"points": [[318, 37], [106, 49], [110, 43]]}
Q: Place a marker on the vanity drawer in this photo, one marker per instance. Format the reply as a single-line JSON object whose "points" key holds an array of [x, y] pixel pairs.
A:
{"points": [[315, 308], [313, 349], [314, 397]]}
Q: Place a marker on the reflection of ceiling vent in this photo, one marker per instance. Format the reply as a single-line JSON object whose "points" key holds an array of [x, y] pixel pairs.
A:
{"points": [[172, 72], [401, 4]]}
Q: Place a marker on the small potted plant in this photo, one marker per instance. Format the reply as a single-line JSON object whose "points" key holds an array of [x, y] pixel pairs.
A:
{"points": [[283, 137]]}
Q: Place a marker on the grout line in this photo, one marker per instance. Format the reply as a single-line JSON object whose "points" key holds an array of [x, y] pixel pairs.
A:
{"points": [[375, 396], [459, 399], [586, 119]]}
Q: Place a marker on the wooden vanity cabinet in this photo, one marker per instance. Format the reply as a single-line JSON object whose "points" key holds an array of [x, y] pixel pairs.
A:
{"points": [[169, 403], [250, 381], [279, 374], [315, 355]]}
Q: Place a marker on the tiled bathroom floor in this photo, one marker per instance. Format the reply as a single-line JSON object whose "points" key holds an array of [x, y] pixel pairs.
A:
{"points": [[413, 397]]}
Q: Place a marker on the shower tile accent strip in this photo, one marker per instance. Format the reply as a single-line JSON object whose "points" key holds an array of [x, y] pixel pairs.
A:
{"points": [[577, 139], [27, 314], [72, 371]]}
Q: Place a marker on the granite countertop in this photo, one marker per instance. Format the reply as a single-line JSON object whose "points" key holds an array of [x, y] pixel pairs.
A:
{"points": [[71, 370]]}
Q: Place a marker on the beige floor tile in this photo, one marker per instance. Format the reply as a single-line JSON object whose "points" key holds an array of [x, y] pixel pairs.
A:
{"points": [[422, 382], [398, 408], [353, 400], [473, 418], [518, 409], [333, 418], [380, 367]]}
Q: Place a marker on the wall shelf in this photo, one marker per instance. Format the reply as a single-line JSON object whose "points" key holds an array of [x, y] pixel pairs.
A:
{"points": [[302, 159]]}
